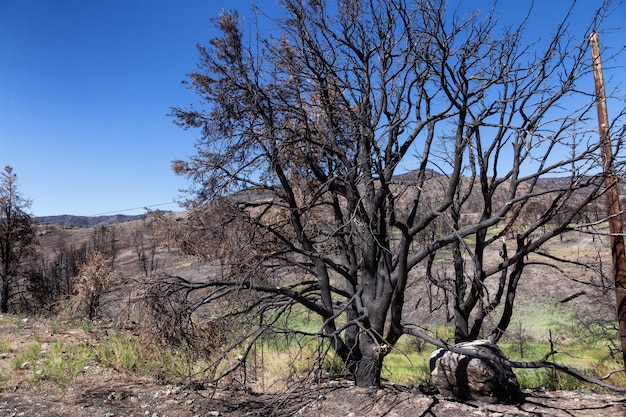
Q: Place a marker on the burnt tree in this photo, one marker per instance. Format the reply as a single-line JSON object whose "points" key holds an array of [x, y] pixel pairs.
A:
{"points": [[17, 236], [305, 133]]}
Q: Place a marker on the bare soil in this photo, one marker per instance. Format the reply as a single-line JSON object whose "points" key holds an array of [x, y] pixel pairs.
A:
{"points": [[109, 394], [105, 392]]}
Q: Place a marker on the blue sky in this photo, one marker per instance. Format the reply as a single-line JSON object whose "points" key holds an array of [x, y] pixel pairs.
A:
{"points": [[86, 86]]}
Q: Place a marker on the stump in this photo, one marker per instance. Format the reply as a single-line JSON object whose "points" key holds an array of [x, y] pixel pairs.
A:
{"points": [[468, 377]]}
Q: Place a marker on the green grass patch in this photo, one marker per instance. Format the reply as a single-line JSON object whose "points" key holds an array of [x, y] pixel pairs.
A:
{"points": [[62, 363], [169, 364], [27, 357], [58, 362], [5, 347], [283, 354], [87, 326], [21, 320], [5, 376], [120, 352], [546, 378], [58, 326], [543, 319], [547, 324], [407, 368]]}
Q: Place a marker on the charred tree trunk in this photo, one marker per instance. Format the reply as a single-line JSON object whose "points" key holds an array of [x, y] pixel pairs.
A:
{"points": [[615, 216], [366, 369], [6, 287], [4, 296]]}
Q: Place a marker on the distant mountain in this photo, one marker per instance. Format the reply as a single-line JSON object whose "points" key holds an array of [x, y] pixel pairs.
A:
{"points": [[86, 221], [412, 176]]}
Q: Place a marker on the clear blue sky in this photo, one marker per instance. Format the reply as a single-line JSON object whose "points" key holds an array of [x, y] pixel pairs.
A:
{"points": [[85, 87]]}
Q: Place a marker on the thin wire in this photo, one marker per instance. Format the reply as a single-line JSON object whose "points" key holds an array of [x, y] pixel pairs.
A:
{"points": [[133, 209]]}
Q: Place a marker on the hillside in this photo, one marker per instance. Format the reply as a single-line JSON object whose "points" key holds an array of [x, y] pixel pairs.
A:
{"points": [[67, 220], [552, 303]]}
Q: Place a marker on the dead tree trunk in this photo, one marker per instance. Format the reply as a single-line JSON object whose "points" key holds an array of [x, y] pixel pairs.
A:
{"points": [[615, 216]]}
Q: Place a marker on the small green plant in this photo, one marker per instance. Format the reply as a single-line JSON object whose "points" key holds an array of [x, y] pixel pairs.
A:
{"points": [[5, 376], [520, 338], [57, 326], [87, 326], [120, 352], [445, 333], [21, 321], [333, 365], [27, 358], [5, 347]]}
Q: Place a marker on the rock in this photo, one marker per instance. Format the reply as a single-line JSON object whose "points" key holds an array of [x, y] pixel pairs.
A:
{"points": [[467, 377]]}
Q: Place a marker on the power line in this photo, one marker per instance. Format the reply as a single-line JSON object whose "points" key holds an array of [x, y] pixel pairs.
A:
{"points": [[133, 209], [167, 204]]}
